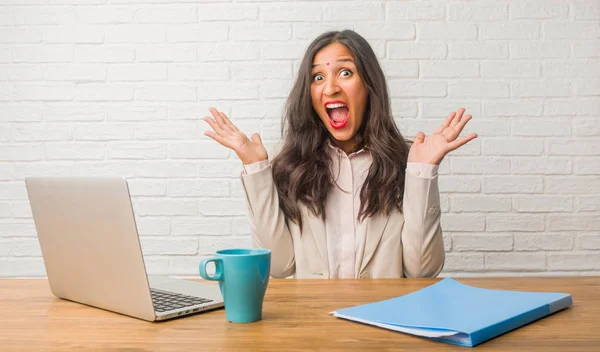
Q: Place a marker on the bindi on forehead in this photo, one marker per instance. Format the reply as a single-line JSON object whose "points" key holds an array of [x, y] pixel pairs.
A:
{"points": [[328, 63]]}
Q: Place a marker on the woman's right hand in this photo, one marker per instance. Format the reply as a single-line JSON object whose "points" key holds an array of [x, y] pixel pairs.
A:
{"points": [[227, 134]]}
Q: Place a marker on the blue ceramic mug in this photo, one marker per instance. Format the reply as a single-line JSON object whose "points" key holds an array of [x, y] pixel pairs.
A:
{"points": [[243, 275]]}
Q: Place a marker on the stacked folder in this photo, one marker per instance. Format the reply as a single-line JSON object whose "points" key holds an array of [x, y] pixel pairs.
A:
{"points": [[456, 313]]}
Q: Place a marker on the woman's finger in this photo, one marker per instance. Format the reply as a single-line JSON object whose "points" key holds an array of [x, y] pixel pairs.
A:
{"points": [[457, 117], [217, 138], [419, 138], [446, 122], [215, 126], [228, 121], [455, 131], [462, 141], [219, 119], [256, 138], [463, 122]]}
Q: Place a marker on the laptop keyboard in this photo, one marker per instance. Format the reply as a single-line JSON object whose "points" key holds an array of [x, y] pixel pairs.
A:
{"points": [[165, 301]]}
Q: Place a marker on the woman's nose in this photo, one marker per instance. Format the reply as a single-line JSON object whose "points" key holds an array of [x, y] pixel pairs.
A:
{"points": [[331, 87]]}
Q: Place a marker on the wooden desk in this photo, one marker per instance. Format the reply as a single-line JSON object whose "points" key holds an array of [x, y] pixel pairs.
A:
{"points": [[295, 318]]}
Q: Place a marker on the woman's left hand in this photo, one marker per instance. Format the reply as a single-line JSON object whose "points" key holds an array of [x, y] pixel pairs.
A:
{"points": [[432, 149]]}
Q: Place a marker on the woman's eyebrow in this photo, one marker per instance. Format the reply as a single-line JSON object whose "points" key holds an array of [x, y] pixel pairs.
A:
{"points": [[339, 60]]}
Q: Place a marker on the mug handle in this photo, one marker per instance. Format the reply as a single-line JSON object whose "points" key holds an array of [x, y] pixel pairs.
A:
{"points": [[218, 269]]}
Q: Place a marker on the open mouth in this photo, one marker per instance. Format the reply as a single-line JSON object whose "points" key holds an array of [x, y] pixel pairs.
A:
{"points": [[338, 114]]}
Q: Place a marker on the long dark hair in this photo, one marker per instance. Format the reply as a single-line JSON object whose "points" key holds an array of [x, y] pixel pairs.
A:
{"points": [[302, 171]]}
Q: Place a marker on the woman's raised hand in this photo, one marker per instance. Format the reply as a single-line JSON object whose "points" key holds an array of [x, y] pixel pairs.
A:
{"points": [[227, 134], [433, 148]]}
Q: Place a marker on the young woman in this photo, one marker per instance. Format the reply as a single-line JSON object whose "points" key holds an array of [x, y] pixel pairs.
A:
{"points": [[346, 196]]}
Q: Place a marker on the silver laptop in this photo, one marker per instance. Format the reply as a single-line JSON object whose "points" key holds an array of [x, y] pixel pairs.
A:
{"points": [[92, 252]]}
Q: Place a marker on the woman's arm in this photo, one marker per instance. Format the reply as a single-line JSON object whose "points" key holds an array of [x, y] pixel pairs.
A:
{"points": [[423, 246], [422, 243], [267, 221]]}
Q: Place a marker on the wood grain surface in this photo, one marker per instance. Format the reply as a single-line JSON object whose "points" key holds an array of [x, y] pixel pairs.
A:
{"points": [[296, 318]]}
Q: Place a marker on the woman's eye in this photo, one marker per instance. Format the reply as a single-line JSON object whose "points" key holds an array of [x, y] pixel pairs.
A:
{"points": [[346, 73], [318, 77]]}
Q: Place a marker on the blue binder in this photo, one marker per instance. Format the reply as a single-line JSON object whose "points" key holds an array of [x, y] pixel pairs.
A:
{"points": [[456, 313]]}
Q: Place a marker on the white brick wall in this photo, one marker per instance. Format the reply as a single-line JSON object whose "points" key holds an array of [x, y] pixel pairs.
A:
{"points": [[105, 87]]}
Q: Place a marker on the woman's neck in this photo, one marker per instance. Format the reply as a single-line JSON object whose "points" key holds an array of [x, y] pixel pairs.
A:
{"points": [[346, 146]]}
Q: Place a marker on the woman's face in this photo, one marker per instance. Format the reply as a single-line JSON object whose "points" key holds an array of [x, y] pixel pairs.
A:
{"points": [[338, 94]]}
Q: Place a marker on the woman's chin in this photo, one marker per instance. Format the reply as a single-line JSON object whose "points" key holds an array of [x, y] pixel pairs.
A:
{"points": [[342, 132], [343, 135]]}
